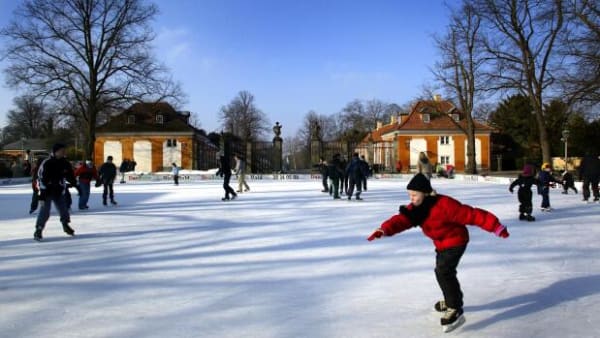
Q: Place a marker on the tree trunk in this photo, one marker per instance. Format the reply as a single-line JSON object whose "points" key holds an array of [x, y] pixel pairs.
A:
{"points": [[471, 153], [544, 143]]}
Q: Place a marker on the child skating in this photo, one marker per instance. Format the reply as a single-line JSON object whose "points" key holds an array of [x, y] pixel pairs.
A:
{"points": [[568, 182], [444, 220], [525, 181], [546, 180]]}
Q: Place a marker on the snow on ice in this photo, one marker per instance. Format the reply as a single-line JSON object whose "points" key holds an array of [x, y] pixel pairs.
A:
{"points": [[285, 260]]}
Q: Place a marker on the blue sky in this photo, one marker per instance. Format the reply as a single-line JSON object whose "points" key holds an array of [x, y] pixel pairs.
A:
{"points": [[294, 56]]}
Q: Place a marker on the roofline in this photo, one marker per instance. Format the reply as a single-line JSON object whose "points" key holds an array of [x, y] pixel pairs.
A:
{"points": [[148, 133]]}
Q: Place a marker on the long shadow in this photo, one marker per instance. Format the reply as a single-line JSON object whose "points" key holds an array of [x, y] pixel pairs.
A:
{"points": [[529, 303]]}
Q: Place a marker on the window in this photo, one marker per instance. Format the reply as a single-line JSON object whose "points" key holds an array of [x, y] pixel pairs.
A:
{"points": [[444, 160], [131, 119], [171, 143], [426, 118], [159, 119], [456, 117], [444, 139]]}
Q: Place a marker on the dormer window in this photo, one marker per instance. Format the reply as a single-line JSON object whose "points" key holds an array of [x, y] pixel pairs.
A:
{"points": [[130, 119], [426, 118], [159, 119], [456, 117]]}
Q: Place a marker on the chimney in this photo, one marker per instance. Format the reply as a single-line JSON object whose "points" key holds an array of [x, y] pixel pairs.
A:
{"points": [[393, 119], [379, 124], [437, 97]]}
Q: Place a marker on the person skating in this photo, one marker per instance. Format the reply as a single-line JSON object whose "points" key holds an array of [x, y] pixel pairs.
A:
{"points": [[175, 173], [525, 181], [323, 170], [53, 175], [424, 165], [589, 173], [35, 186], [344, 178], [335, 172], [240, 171], [107, 173], [444, 220], [123, 168], [355, 174], [546, 180], [85, 173], [225, 172], [366, 169], [568, 182]]}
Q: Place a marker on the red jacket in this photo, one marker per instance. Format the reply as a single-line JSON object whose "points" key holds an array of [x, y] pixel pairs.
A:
{"points": [[446, 222], [86, 174]]}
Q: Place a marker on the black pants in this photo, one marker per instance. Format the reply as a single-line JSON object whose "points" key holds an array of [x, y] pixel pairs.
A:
{"points": [[593, 181], [176, 179], [228, 189], [364, 183], [526, 206], [324, 180], [108, 190], [34, 201], [354, 182], [335, 188], [446, 262]]}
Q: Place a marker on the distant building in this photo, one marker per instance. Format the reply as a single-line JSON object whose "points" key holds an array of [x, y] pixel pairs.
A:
{"points": [[154, 135], [435, 127], [18, 149]]}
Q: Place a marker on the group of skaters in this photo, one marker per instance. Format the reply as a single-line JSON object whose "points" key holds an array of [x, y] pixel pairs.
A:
{"points": [[225, 170], [339, 176], [589, 174], [53, 176]]}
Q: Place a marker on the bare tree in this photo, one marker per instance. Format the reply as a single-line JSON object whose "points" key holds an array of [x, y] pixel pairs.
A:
{"points": [[29, 118], [581, 48], [94, 54], [521, 39], [242, 117], [459, 70]]}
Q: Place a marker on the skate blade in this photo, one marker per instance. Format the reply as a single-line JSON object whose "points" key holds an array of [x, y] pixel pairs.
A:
{"points": [[451, 327]]}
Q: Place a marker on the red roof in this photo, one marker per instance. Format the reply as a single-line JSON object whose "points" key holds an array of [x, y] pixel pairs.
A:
{"points": [[440, 119]]}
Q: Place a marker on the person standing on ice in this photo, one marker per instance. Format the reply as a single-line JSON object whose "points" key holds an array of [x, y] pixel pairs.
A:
{"points": [[53, 175], [225, 172], [568, 182], [86, 173], [335, 172], [424, 166], [175, 172], [444, 220], [34, 185], [355, 175], [546, 180], [323, 170], [589, 173], [108, 173], [525, 181], [240, 171]]}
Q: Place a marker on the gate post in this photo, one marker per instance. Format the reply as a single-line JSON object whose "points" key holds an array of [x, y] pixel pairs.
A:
{"points": [[277, 160], [315, 144]]}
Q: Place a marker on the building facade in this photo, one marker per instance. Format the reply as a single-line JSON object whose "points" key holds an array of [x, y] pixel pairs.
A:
{"points": [[154, 135], [435, 127]]}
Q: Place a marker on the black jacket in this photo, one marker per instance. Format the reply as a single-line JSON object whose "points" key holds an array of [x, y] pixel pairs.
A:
{"points": [[524, 183], [590, 167], [107, 172], [54, 174], [224, 167], [355, 169], [335, 170]]}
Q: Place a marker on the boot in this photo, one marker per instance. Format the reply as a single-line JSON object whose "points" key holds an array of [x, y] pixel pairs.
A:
{"points": [[358, 196], [104, 202], [452, 319], [522, 217], [113, 202], [37, 235], [68, 230], [529, 218]]}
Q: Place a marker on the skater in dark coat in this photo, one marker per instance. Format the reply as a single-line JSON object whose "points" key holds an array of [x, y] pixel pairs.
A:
{"points": [[525, 181], [444, 220], [335, 172], [53, 175], [568, 182], [225, 172], [107, 173], [589, 173], [323, 170], [366, 169], [344, 178], [35, 185], [355, 174], [546, 180]]}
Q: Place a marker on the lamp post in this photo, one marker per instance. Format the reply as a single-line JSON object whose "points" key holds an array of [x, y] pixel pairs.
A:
{"points": [[565, 139]]}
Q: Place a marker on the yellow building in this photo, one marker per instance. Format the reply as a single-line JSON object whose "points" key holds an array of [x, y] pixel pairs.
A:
{"points": [[154, 135], [435, 127]]}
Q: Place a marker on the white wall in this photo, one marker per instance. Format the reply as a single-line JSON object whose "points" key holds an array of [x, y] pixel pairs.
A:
{"points": [[171, 154], [477, 152], [417, 145], [142, 154], [114, 149]]}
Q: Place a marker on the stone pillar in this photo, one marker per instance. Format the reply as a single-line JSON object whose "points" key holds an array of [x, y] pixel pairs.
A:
{"points": [[315, 144]]}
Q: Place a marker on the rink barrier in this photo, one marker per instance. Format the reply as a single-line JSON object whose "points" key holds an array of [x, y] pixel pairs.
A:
{"points": [[18, 180]]}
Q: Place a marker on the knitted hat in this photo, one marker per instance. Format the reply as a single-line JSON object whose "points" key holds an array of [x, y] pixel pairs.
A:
{"points": [[545, 165], [56, 147], [528, 170], [420, 183]]}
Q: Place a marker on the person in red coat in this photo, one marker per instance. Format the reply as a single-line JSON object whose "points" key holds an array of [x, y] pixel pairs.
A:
{"points": [[444, 220]]}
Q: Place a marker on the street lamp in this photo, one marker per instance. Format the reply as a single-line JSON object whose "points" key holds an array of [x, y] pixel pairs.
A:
{"points": [[565, 139]]}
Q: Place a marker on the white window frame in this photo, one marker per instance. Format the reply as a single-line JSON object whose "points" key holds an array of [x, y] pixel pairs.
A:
{"points": [[426, 118], [444, 140], [160, 119]]}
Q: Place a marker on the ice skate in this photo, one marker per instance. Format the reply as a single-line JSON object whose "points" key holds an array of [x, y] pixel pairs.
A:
{"points": [[68, 230], [37, 235], [452, 319], [529, 218], [113, 202], [522, 217]]}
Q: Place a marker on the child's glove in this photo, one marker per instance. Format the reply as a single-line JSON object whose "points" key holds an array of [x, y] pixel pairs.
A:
{"points": [[378, 233], [501, 231], [511, 191]]}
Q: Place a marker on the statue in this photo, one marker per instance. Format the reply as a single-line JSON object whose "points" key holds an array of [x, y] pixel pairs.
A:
{"points": [[277, 130]]}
